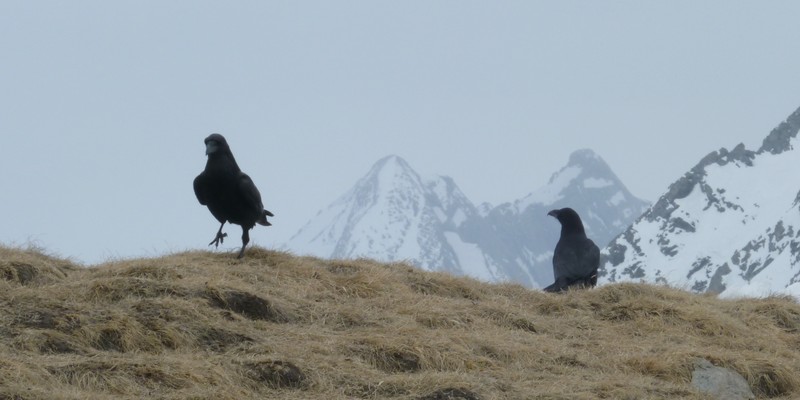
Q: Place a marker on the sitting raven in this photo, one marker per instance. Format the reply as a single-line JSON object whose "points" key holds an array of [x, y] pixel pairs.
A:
{"points": [[576, 258], [229, 193]]}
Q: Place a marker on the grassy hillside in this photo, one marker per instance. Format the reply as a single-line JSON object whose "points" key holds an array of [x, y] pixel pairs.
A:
{"points": [[207, 326]]}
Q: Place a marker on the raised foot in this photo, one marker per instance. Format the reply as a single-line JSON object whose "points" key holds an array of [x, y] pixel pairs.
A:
{"points": [[219, 239]]}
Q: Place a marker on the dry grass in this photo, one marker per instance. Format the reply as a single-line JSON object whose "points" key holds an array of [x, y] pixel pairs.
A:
{"points": [[202, 325]]}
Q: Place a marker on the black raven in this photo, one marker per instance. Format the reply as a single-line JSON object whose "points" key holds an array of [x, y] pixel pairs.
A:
{"points": [[576, 258], [229, 193]]}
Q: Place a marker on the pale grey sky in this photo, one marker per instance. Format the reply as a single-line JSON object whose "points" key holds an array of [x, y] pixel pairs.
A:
{"points": [[104, 104]]}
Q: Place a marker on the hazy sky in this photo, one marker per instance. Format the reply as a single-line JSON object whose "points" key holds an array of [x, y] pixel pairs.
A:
{"points": [[104, 104]]}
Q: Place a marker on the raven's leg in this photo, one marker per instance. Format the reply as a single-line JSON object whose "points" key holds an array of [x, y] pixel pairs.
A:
{"points": [[220, 236], [245, 241]]}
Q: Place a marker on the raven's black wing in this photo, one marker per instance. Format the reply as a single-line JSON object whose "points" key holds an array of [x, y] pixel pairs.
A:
{"points": [[565, 259], [575, 258], [200, 189], [592, 259], [249, 193]]}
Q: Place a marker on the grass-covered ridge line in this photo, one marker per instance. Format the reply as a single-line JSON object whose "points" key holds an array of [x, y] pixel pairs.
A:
{"points": [[206, 326]]}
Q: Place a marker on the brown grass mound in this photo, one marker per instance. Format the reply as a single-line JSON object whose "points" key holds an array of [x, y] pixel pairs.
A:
{"points": [[31, 267], [207, 326], [276, 374], [451, 394], [246, 304]]}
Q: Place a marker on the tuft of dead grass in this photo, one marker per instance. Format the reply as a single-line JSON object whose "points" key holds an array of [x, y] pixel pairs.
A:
{"points": [[205, 325], [31, 267]]}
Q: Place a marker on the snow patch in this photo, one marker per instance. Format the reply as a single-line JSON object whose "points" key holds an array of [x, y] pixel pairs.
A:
{"points": [[617, 198], [544, 257], [470, 257], [552, 192], [595, 183], [459, 217]]}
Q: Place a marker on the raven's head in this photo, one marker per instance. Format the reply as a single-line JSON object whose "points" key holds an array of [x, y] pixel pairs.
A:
{"points": [[569, 219], [214, 143]]}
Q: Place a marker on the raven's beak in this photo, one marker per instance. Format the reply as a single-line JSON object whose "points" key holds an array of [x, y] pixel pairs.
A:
{"points": [[553, 213], [211, 147]]}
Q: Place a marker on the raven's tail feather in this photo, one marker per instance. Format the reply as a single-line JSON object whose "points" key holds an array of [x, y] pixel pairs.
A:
{"points": [[263, 219]]}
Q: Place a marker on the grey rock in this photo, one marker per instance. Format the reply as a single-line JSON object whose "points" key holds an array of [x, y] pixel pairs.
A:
{"points": [[721, 383], [778, 140], [716, 285]]}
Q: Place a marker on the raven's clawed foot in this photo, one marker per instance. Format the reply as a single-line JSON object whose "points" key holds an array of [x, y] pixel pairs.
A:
{"points": [[219, 239]]}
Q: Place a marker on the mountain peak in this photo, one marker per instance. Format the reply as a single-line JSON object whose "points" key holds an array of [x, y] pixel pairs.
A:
{"points": [[582, 156], [392, 159], [391, 162], [585, 171], [527, 235], [728, 225], [589, 162], [390, 214], [389, 174]]}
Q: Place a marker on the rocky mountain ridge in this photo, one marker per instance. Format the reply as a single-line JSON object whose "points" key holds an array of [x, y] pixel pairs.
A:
{"points": [[393, 214], [729, 225]]}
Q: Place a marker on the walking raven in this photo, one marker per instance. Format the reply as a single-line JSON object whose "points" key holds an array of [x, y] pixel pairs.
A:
{"points": [[229, 193], [576, 258]]}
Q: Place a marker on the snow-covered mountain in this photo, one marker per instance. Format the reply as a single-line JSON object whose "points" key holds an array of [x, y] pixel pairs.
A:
{"points": [[730, 225], [520, 237], [394, 214], [391, 214]]}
